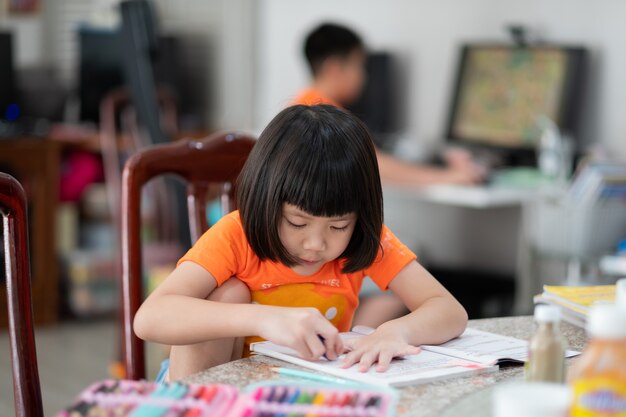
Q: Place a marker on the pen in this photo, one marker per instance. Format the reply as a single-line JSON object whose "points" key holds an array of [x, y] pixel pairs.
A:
{"points": [[323, 341], [311, 376]]}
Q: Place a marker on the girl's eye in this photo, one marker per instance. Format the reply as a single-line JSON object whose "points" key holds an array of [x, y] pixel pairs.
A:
{"points": [[340, 229], [295, 226]]}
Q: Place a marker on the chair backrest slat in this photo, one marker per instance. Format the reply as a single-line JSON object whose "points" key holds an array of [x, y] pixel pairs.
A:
{"points": [[215, 160], [26, 387], [196, 203]]}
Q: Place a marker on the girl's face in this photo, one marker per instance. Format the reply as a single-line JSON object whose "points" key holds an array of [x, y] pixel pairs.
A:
{"points": [[314, 240]]}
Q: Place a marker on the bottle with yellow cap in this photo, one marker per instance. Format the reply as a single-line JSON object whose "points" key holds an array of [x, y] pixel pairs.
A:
{"points": [[598, 377]]}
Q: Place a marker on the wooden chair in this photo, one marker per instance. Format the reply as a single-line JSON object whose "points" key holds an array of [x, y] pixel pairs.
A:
{"points": [[26, 387], [118, 102], [215, 160]]}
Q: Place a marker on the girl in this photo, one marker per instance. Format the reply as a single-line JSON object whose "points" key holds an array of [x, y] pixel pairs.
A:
{"points": [[288, 266]]}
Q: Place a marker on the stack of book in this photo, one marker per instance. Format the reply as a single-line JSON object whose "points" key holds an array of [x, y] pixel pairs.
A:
{"points": [[599, 181], [575, 302]]}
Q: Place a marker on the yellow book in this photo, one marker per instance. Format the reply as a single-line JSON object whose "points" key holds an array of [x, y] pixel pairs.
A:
{"points": [[579, 299]]}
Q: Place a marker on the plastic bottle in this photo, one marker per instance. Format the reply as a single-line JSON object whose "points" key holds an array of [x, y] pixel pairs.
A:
{"points": [[598, 377], [620, 293], [546, 350], [553, 151]]}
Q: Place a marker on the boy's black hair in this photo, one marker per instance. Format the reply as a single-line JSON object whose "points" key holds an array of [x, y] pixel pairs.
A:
{"points": [[322, 160], [329, 40]]}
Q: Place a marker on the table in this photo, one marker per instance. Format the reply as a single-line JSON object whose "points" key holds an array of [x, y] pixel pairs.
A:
{"points": [[477, 197], [424, 400], [477, 228]]}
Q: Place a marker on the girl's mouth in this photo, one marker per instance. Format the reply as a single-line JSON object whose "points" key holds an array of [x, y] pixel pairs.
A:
{"points": [[306, 262]]}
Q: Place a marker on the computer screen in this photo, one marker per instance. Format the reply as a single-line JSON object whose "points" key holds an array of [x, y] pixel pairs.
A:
{"points": [[101, 68], [502, 90], [376, 104]]}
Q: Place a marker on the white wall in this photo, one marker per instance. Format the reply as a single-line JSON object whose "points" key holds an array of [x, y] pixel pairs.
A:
{"points": [[217, 53], [27, 43], [425, 34]]}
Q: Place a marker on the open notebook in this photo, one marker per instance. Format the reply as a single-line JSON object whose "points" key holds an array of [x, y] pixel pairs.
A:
{"points": [[474, 351]]}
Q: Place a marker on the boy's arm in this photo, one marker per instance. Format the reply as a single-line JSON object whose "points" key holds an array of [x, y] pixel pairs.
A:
{"points": [[394, 170], [436, 317], [178, 313]]}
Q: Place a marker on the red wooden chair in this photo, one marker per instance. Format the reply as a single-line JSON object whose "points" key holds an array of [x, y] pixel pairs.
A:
{"points": [[26, 387], [116, 102], [202, 164]]}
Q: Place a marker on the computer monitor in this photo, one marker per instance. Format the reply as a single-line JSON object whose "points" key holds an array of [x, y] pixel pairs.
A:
{"points": [[502, 90], [101, 67], [8, 93], [376, 104]]}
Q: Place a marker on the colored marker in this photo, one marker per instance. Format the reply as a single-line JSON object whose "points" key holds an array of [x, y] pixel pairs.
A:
{"points": [[290, 399], [303, 398], [373, 402], [317, 400], [208, 394], [174, 391]]}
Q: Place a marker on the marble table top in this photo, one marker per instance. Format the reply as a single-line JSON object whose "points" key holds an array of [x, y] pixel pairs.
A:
{"points": [[443, 397]]}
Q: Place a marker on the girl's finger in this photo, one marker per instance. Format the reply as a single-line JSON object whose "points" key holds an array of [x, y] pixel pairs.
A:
{"points": [[331, 339], [329, 345], [348, 345], [316, 346], [302, 348], [339, 346], [384, 359], [367, 359], [411, 350], [350, 359]]}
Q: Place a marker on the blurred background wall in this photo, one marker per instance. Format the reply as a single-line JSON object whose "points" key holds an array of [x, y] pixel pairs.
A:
{"points": [[250, 63], [216, 48], [425, 36]]}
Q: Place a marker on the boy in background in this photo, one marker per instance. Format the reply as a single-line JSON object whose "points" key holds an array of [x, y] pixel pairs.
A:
{"points": [[336, 58]]}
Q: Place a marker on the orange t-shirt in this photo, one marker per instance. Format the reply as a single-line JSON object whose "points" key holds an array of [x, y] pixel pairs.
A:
{"points": [[311, 97], [224, 251]]}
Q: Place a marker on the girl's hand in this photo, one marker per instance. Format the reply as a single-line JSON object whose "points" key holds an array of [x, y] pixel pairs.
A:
{"points": [[381, 346], [305, 330]]}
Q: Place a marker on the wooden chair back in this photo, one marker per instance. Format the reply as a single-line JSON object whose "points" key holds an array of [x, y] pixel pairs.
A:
{"points": [[26, 387], [201, 164]]}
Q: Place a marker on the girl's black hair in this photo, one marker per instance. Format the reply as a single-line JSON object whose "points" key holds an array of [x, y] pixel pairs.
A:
{"points": [[322, 160]]}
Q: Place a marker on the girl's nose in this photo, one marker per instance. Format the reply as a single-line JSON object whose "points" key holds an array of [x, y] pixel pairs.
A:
{"points": [[314, 243]]}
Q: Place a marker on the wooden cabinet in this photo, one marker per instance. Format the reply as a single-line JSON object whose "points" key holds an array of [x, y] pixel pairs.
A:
{"points": [[35, 163]]}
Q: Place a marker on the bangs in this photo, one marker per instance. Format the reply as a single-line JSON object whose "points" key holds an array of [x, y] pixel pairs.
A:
{"points": [[322, 183]]}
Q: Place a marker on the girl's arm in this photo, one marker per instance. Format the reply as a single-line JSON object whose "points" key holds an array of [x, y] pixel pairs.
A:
{"points": [[436, 317], [178, 313]]}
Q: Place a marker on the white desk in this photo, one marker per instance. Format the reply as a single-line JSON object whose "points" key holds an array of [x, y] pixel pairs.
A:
{"points": [[476, 228], [478, 197]]}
